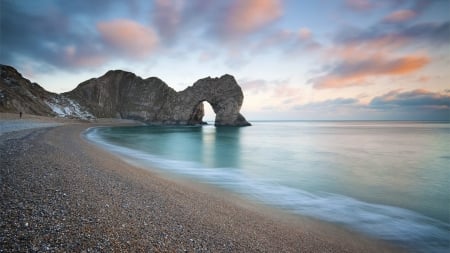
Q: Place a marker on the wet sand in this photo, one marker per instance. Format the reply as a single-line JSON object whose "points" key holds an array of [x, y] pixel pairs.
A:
{"points": [[59, 192]]}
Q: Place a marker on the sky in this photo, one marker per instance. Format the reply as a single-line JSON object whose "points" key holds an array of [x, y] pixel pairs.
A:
{"points": [[295, 60]]}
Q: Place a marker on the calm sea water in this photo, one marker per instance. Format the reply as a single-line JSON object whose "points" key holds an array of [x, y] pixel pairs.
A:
{"points": [[389, 180]]}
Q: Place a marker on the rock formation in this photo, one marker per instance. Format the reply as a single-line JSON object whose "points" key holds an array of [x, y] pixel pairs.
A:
{"points": [[121, 94], [18, 94]]}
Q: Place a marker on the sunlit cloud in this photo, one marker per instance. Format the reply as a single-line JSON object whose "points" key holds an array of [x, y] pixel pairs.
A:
{"points": [[400, 16], [128, 37], [247, 16], [353, 73], [361, 57]]}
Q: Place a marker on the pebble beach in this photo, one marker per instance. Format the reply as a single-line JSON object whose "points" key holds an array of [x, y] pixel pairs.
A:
{"points": [[61, 193]]}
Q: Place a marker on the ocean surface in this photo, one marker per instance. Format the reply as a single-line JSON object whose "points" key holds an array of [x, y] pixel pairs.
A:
{"points": [[388, 180]]}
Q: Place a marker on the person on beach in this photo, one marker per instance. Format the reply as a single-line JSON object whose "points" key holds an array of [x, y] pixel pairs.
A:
{"points": [[20, 114]]}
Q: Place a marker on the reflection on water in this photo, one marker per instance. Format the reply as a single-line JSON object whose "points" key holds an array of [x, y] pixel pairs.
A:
{"points": [[221, 147], [387, 179]]}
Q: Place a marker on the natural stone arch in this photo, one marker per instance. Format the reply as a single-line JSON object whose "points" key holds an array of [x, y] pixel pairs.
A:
{"points": [[125, 95], [223, 94]]}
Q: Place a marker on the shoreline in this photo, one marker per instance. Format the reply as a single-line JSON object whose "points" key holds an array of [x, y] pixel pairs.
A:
{"points": [[98, 201]]}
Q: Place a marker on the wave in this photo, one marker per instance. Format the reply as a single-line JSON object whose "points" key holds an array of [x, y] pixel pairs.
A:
{"points": [[394, 224]]}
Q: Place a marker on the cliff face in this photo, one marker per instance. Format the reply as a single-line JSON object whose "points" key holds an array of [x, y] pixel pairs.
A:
{"points": [[120, 94], [18, 94]]}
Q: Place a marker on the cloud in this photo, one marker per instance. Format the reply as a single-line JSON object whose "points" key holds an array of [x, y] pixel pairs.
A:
{"points": [[288, 42], [400, 16], [434, 33], [359, 5], [76, 57], [352, 73], [254, 86], [304, 33], [419, 98], [283, 89], [419, 104], [280, 38], [279, 88], [329, 104], [359, 57], [366, 6], [243, 17], [167, 17], [128, 37], [51, 36], [222, 20]]}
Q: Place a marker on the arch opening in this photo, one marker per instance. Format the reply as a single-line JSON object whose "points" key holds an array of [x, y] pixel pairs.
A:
{"points": [[209, 114], [202, 114]]}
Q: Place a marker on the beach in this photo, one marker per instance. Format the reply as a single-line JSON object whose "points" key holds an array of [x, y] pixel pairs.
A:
{"points": [[61, 192]]}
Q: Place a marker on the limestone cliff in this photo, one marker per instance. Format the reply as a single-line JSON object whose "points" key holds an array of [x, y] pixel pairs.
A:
{"points": [[18, 94], [120, 94]]}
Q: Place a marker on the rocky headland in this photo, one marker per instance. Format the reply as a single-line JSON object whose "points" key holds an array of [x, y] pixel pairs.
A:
{"points": [[121, 94]]}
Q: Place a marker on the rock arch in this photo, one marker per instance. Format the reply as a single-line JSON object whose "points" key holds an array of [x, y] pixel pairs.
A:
{"points": [[125, 95], [223, 94]]}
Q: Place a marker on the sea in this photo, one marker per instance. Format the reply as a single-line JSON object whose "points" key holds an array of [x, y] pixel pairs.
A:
{"points": [[389, 180]]}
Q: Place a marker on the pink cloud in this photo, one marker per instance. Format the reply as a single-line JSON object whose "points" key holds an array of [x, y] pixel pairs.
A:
{"points": [[128, 37], [360, 59], [248, 16], [354, 73], [400, 16]]}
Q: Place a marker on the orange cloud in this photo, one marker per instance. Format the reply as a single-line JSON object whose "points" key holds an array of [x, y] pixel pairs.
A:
{"points": [[353, 73], [405, 65], [129, 37], [250, 15], [400, 16]]}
